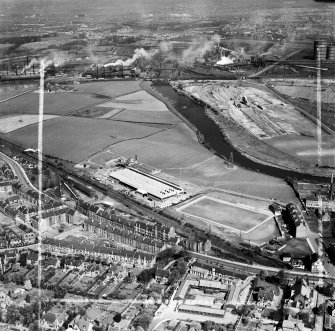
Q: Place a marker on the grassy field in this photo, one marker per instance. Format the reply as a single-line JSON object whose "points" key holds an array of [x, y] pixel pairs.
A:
{"points": [[55, 103], [297, 247], [146, 116], [304, 89], [140, 100], [9, 90], [221, 213], [9, 124], [262, 233], [76, 138], [177, 152], [111, 89], [306, 148]]}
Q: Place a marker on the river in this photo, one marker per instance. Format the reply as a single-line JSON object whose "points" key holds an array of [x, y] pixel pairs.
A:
{"points": [[214, 139]]}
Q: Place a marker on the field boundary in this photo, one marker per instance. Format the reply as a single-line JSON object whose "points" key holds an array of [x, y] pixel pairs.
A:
{"points": [[236, 205]]}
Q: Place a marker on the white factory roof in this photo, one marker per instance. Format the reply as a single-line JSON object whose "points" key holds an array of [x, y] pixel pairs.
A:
{"points": [[143, 182]]}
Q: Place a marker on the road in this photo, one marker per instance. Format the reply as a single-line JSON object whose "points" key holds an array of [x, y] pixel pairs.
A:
{"points": [[18, 171], [255, 268]]}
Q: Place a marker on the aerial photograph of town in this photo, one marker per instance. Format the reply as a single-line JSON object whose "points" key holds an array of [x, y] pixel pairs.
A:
{"points": [[167, 165]]}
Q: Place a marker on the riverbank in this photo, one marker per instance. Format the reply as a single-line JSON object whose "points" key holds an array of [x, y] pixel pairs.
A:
{"points": [[253, 148]]}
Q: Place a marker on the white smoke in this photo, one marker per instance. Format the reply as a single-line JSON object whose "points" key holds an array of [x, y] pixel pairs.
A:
{"points": [[95, 59], [225, 60], [138, 53], [55, 57], [198, 49], [166, 46]]}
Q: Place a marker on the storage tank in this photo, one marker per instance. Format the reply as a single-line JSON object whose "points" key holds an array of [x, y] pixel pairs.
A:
{"points": [[320, 47], [331, 52]]}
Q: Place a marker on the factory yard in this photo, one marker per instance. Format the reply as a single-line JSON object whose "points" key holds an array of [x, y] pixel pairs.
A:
{"points": [[9, 124], [256, 109], [234, 216]]}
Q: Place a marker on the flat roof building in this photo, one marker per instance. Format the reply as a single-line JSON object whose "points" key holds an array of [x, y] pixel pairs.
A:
{"points": [[144, 183]]}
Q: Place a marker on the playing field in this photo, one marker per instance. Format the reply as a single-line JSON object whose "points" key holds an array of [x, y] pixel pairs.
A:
{"points": [[262, 233], [234, 216]]}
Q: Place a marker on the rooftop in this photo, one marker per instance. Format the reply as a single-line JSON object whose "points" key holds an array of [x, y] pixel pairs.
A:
{"points": [[146, 183]]}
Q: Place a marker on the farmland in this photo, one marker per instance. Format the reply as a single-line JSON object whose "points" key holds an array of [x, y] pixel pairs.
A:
{"points": [[76, 138], [55, 103], [227, 214], [140, 100], [170, 146], [111, 89], [9, 124], [10, 90]]}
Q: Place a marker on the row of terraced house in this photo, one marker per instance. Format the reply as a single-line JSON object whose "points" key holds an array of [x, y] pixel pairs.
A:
{"points": [[132, 257], [142, 228]]}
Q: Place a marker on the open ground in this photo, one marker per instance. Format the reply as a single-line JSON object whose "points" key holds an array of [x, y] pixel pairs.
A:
{"points": [[306, 148], [173, 148], [234, 216], [304, 88], [261, 113], [10, 90], [56, 103], [9, 124], [76, 138]]}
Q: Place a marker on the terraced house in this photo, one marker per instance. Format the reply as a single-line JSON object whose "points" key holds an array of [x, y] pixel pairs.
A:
{"points": [[95, 251], [150, 229], [107, 230]]}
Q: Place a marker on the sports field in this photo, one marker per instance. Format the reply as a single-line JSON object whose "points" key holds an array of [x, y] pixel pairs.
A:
{"points": [[222, 213]]}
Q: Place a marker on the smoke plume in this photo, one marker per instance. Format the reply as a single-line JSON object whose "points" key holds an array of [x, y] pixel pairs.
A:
{"points": [[225, 60], [198, 49], [138, 53], [55, 57]]}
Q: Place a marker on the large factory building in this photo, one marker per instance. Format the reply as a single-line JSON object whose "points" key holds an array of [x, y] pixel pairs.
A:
{"points": [[147, 185]]}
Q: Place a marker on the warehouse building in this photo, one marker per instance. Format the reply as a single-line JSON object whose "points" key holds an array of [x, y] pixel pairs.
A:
{"points": [[146, 184]]}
